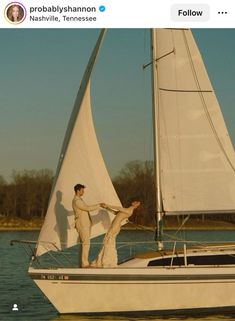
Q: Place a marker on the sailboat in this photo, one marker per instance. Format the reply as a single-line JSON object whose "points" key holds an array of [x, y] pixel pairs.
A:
{"points": [[194, 173]]}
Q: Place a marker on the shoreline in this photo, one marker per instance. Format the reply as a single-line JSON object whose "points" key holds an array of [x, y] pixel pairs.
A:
{"points": [[189, 228], [144, 228], [8, 224], [23, 229], [18, 224]]}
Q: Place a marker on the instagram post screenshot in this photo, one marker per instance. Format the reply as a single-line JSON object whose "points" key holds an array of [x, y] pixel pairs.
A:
{"points": [[117, 171]]}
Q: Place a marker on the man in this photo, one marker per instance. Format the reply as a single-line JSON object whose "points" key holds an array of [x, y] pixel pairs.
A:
{"points": [[83, 222]]}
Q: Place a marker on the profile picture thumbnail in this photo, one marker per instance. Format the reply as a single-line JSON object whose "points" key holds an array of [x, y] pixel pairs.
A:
{"points": [[15, 12]]}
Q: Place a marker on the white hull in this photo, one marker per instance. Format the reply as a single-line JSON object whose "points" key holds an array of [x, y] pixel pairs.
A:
{"points": [[137, 289]]}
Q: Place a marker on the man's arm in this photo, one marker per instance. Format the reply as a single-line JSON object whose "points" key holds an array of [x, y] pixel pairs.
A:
{"points": [[84, 207], [117, 208]]}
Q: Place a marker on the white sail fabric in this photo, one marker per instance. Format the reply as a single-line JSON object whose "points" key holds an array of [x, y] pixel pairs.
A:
{"points": [[81, 162], [197, 160]]}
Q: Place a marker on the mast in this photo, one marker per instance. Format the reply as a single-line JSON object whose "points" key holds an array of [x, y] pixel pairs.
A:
{"points": [[156, 142]]}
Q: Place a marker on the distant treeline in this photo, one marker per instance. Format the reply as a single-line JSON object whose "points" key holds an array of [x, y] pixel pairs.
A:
{"points": [[136, 179], [28, 193]]}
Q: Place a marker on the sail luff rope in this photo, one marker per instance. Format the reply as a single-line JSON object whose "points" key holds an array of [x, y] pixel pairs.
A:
{"points": [[182, 224], [73, 117], [147, 130]]}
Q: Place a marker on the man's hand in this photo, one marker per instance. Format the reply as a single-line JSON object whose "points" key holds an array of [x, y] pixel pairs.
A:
{"points": [[103, 205]]}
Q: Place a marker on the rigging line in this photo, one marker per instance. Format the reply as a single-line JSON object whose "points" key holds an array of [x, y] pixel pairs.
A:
{"points": [[140, 227], [157, 59], [145, 102], [147, 128], [205, 105], [175, 238], [182, 224], [197, 243]]}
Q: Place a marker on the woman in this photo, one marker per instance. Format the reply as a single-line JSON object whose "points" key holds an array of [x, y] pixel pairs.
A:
{"points": [[15, 13], [107, 256]]}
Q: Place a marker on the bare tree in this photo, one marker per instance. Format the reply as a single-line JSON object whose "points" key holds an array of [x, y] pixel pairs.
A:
{"points": [[2, 191], [28, 193], [44, 184], [136, 180]]}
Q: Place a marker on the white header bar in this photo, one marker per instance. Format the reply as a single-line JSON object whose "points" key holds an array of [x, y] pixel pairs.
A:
{"points": [[116, 14]]}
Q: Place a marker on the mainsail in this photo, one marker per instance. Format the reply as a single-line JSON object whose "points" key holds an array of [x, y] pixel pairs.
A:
{"points": [[197, 160], [80, 162]]}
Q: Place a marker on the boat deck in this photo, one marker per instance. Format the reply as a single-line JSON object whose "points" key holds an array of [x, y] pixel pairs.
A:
{"points": [[193, 249]]}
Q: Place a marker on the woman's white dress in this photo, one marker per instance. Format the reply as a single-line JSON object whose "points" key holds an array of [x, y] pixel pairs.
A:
{"points": [[107, 256]]}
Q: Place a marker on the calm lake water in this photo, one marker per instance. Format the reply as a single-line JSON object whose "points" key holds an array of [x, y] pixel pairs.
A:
{"points": [[17, 288]]}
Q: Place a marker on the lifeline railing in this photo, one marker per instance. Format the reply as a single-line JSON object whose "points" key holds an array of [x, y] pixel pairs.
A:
{"points": [[63, 258], [126, 250]]}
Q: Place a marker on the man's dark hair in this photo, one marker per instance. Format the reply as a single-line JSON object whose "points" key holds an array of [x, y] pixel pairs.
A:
{"points": [[77, 187]]}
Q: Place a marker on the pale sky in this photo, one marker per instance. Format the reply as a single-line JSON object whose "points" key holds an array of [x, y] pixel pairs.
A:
{"points": [[40, 74]]}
